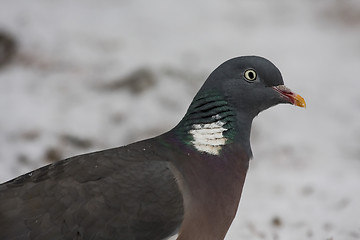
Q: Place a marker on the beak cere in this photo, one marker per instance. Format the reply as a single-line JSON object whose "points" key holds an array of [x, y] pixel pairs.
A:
{"points": [[293, 98]]}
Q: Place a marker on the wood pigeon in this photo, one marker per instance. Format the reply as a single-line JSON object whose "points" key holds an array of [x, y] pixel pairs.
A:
{"points": [[187, 180]]}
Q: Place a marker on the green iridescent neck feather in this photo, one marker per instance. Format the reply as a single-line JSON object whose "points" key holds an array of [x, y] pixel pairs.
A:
{"points": [[209, 123]]}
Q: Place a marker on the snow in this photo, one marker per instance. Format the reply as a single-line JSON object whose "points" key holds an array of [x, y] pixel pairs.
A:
{"points": [[303, 180]]}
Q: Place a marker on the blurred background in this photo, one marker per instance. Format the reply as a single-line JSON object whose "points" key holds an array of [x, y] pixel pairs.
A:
{"points": [[80, 76]]}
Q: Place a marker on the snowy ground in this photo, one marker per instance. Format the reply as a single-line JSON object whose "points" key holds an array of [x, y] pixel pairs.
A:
{"points": [[90, 75]]}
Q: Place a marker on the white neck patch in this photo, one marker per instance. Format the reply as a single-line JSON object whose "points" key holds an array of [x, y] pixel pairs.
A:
{"points": [[209, 137]]}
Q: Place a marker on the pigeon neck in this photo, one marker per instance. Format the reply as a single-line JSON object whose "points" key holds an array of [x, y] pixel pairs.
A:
{"points": [[211, 123], [212, 172]]}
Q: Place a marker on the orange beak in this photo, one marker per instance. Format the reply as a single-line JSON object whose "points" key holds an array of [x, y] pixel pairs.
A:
{"points": [[293, 98]]}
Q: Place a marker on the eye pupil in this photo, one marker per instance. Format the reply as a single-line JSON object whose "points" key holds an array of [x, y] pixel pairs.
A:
{"points": [[251, 75]]}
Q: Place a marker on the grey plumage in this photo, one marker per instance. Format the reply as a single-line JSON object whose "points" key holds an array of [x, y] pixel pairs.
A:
{"points": [[188, 179], [121, 193]]}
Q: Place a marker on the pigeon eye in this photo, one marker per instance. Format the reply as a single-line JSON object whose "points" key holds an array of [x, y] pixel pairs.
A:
{"points": [[250, 75]]}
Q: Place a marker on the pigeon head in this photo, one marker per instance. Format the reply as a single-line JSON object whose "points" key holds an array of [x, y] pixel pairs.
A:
{"points": [[250, 84], [234, 93]]}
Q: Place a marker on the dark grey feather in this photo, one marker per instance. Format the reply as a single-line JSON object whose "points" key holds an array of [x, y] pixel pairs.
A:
{"points": [[121, 193]]}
